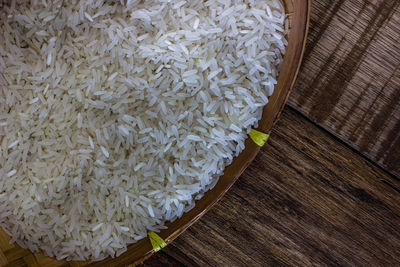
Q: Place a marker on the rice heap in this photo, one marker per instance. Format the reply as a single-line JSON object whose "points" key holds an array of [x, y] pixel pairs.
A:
{"points": [[115, 116]]}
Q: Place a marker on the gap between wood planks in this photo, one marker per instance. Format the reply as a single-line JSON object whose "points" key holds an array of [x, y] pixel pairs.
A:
{"points": [[349, 146], [350, 76]]}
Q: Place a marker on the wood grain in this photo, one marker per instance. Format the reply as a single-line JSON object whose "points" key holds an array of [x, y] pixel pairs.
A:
{"points": [[350, 79], [305, 200]]}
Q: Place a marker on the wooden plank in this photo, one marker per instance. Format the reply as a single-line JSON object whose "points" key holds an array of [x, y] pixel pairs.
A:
{"points": [[31, 261], [20, 262], [16, 253], [350, 79], [306, 199], [4, 241], [3, 259], [162, 259]]}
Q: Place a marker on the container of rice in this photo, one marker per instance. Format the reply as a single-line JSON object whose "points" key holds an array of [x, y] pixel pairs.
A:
{"points": [[120, 118]]}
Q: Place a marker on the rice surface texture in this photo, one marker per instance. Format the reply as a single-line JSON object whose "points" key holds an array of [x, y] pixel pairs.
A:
{"points": [[116, 116]]}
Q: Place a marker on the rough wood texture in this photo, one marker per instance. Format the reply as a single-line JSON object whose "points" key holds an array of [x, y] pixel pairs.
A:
{"points": [[350, 78], [306, 199]]}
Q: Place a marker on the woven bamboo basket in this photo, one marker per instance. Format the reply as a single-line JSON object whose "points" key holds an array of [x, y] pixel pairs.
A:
{"points": [[298, 13]]}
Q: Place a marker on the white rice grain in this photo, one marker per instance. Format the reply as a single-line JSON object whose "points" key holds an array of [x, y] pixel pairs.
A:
{"points": [[116, 116], [97, 227], [13, 144], [105, 152], [11, 173]]}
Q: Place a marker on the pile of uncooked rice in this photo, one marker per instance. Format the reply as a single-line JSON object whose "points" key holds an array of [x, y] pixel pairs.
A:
{"points": [[115, 116]]}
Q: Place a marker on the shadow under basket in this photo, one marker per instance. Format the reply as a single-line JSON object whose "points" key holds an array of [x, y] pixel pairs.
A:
{"points": [[298, 15]]}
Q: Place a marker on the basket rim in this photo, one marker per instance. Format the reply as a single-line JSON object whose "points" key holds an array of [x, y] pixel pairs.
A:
{"points": [[266, 124]]}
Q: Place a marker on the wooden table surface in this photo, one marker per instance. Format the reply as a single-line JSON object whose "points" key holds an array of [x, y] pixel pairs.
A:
{"points": [[325, 190]]}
